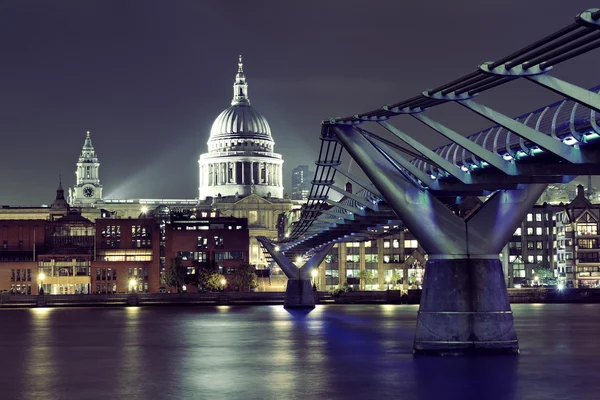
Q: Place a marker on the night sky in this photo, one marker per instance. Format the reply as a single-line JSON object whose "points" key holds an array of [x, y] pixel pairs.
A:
{"points": [[148, 78]]}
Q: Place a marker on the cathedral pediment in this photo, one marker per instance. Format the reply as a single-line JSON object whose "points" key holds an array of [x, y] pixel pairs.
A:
{"points": [[253, 199]]}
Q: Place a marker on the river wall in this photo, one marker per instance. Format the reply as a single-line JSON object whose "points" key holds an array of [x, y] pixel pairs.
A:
{"points": [[277, 298]]}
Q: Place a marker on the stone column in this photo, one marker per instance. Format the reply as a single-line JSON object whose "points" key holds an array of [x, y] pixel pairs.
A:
{"points": [[243, 179], [253, 173]]}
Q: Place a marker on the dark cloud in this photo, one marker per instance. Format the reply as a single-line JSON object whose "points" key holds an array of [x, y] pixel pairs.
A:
{"points": [[149, 77]]}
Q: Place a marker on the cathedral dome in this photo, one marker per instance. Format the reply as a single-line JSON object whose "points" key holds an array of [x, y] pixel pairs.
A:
{"points": [[240, 121], [240, 160]]}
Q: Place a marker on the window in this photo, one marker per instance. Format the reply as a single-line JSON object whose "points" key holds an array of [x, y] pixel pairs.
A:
{"points": [[517, 232], [530, 259], [539, 245], [518, 266], [202, 242], [529, 217], [587, 243], [396, 243], [411, 244], [538, 217], [538, 231], [529, 231], [229, 255], [514, 245], [218, 242], [386, 244], [530, 245]]}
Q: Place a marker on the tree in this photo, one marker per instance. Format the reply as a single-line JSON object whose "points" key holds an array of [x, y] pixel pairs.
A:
{"points": [[396, 276], [245, 276], [545, 274], [367, 277], [175, 275], [209, 277]]}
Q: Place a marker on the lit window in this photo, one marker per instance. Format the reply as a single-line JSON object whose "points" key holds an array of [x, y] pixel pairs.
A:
{"points": [[538, 231], [517, 232], [538, 217], [530, 217]]}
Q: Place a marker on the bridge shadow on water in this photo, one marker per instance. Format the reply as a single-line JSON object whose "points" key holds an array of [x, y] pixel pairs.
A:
{"points": [[355, 350]]}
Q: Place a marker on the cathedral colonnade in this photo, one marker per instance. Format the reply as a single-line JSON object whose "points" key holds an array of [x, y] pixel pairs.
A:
{"points": [[240, 172]]}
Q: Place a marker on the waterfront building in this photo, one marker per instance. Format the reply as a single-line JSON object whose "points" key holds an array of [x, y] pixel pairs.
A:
{"points": [[578, 242], [301, 182], [200, 241]]}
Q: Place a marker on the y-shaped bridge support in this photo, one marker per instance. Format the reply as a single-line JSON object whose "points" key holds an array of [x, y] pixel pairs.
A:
{"points": [[299, 292], [464, 303]]}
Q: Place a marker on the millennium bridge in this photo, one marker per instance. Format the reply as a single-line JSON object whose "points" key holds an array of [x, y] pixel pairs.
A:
{"points": [[464, 304]]}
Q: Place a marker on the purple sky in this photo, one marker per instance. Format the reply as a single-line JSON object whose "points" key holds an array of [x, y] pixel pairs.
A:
{"points": [[148, 78]]}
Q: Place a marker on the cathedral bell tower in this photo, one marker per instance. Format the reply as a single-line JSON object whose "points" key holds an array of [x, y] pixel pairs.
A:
{"points": [[87, 189]]}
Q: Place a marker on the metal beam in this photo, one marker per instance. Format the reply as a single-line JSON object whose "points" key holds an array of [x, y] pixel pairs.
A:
{"points": [[449, 167], [566, 89], [346, 207], [421, 212], [546, 142], [361, 182], [407, 166], [479, 151], [349, 217], [360, 200]]}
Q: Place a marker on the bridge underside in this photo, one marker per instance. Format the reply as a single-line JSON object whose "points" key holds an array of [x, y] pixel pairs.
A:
{"points": [[464, 305]]}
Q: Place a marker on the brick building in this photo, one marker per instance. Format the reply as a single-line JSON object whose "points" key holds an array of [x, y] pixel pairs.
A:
{"points": [[221, 241]]}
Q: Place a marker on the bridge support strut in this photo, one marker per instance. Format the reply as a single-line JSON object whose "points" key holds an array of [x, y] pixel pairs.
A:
{"points": [[299, 291], [464, 304]]}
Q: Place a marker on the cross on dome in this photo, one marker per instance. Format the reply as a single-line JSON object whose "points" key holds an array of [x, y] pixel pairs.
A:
{"points": [[240, 87]]}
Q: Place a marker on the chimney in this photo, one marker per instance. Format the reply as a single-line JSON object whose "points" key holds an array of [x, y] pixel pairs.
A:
{"points": [[349, 186], [580, 191]]}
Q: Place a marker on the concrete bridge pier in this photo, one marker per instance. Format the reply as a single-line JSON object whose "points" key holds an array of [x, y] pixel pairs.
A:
{"points": [[299, 292], [464, 308], [464, 304]]}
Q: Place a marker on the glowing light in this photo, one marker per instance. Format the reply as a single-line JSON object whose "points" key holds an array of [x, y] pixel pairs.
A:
{"points": [[184, 288], [518, 286], [314, 273], [507, 157], [569, 140], [388, 279], [144, 210], [298, 259], [561, 286], [132, 283], [41, 276], [433, 176], [277, 248], [223, 282], [464, 168]]}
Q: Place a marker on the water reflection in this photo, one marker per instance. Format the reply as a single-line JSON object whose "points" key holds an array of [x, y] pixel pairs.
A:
{"points": [[270, 353]]}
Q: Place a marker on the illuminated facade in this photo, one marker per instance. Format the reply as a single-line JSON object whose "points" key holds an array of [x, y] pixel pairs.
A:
{"points": [[87, 189], [240, 159]]}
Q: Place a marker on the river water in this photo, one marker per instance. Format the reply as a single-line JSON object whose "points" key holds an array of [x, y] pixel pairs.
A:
{"points": [[266, 352]]}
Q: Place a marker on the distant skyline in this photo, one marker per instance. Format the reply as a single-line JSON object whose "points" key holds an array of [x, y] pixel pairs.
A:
{"points": [[148, 78]]}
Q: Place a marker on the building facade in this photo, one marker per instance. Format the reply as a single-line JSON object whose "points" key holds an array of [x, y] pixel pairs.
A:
{"points": [[240, 159], [301, 182]]}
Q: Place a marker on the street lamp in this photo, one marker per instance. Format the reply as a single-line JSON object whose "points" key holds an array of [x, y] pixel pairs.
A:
{"points": [[132, 285], [223, 283], [314, 273], [387, 280], [41, 278]]}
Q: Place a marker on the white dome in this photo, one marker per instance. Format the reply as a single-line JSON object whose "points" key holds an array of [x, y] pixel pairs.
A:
{"points": [[240, 121]]}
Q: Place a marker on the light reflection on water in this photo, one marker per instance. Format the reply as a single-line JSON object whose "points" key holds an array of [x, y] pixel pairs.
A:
{"points": [[267, 352]]}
